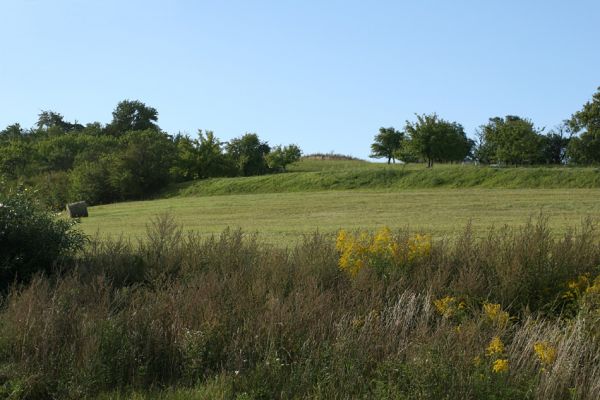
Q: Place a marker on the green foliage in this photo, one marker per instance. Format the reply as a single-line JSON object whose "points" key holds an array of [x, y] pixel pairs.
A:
{"points": [[435, 139], [132, 115], [91, 181], [387, 143], [32, 239], [280, 157], [512, 140], [585, 149], [143, 165], [50, 120], [248, 154], [554, 147]]}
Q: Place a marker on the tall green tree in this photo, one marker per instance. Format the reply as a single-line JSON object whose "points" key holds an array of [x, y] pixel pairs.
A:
{"points": [[386, 144], [437, 140], [509, 140], [50, 120], [132, 115], [585, 148], [248, 154], [554, 145], [281, 156]]}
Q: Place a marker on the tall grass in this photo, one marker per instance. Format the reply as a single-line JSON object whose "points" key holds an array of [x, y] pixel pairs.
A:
{"points": [[178, 316]]}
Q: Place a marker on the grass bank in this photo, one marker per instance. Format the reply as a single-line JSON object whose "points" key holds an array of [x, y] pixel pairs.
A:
{"points": [[320, 175]]}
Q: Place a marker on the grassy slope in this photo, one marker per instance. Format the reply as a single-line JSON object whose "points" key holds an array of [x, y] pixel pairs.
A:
{"points": [[283, 207], [314, 175]]}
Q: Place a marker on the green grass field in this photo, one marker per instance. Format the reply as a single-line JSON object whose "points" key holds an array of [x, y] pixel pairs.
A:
{"points": [[284, 217], [327, 195]]}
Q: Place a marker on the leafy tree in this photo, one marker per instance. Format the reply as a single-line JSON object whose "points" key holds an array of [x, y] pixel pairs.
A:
{"points": [[279, 157], [186, 164], [17, 158], [132, 115], [147, 158], [585, 148], [435, 139], [387, 144], [90, 181], [47, 120], [248, 154], [512, 140], [212, 158], [12, 132], [554, 146]]}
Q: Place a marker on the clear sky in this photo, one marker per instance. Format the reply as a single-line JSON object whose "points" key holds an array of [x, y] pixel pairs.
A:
{"points": [[323, 74]]}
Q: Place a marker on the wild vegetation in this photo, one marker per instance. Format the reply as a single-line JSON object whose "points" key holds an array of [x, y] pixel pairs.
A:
{"points": [[386, 314], [129, 158]]}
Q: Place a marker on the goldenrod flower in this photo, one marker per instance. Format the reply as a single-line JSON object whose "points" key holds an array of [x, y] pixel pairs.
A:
{"points": [[500, 365], [495, 314], [445, 306], [495, 347], [545, 352]]}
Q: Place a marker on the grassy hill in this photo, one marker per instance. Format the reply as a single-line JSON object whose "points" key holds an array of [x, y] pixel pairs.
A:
{"points": [[332, 194], [321, 175]]}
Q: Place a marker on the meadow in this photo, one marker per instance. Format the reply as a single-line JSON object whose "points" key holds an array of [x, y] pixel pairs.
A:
{"points": [[370, 293], [327, 195]]}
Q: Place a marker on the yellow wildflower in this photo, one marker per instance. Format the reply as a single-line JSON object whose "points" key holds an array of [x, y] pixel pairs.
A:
{"points": [[418, 246], [445, 306], [495, 347], [500, 365], [495, 314], [545, 352]]}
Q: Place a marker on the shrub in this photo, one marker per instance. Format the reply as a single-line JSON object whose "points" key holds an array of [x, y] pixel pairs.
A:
{"points": [[32, 239]]}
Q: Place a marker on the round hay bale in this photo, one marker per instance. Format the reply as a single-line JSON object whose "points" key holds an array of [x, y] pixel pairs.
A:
{"points": [[77, 210]]}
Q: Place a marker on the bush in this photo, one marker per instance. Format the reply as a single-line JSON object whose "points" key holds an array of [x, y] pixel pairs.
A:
{"points": [[32, 239]]}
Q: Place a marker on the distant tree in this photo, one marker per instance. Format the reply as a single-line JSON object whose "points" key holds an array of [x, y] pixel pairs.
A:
{"points": [[132, 115], [510, 140], [211, 156], [554, 145], [12, 132], [17, 158], [200, 158], [90, 181], [48, 120], [386, 144], [248, 154], [435, 139], [280, 157], [144, 165], [585, 148]]}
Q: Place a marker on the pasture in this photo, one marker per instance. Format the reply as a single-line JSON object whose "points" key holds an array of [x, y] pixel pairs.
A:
{"points": [[282, 218]]}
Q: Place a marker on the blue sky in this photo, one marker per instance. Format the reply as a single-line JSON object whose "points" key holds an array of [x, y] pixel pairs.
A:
{"points": [[323, 74]]}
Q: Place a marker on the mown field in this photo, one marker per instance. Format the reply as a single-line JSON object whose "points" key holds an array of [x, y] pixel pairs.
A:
{"points": [[282, 218], [329, 195]]}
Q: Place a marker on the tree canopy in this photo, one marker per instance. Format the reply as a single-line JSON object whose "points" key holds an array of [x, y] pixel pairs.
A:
{"points": [[386, 144], [585, 148], [437, 140]]}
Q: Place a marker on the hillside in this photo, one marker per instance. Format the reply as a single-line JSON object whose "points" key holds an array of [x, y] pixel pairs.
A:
{"points": [[322, 175]]}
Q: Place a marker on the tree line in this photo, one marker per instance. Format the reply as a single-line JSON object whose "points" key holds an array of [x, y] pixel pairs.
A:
{"points": [[511, 140], [129, 158]]}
